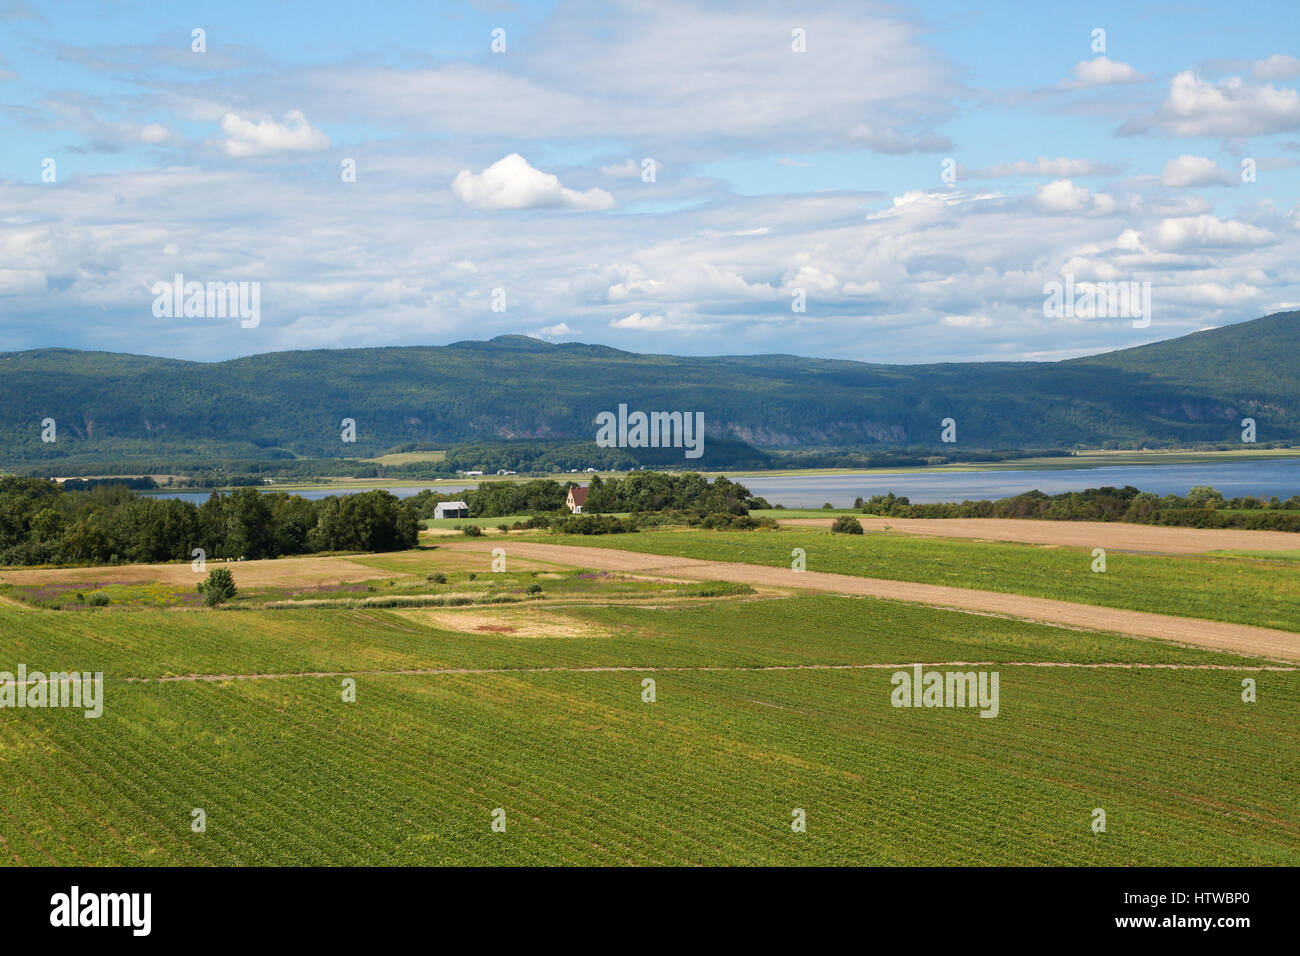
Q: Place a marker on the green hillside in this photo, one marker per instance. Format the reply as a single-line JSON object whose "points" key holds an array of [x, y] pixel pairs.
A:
{"points": [[277, 405]]}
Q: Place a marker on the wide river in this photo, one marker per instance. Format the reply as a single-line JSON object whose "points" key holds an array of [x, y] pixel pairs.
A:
{"points": [[1279, 476]]}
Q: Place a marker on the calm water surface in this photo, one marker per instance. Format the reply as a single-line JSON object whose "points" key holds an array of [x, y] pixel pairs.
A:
{"points": [[1279, 477]]}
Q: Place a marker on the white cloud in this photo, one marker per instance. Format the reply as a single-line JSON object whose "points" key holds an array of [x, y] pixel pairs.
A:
{"points": [[1129, 240], [1091, 270], [1187, 171], [812, 279], [1279, 66], [966, 321], [247, 138], [893, 142], [1231, 107], [155, 133], [643, 323], [561, 328], [1209, 232], [1063, 196], [21, 282], [1210, 293], [510, 183], [1102, 71]]}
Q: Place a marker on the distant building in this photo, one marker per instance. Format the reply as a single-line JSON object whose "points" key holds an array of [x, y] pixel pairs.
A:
{"points": [[577, 498], [451, 509]]}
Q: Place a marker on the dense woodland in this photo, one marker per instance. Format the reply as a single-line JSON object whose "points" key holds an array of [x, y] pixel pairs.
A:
{"points": [[43, 523]]}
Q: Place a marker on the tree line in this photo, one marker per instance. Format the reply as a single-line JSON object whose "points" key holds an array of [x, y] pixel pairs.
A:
{"points": [[43, 523], [1202, 507], [640, 491]]}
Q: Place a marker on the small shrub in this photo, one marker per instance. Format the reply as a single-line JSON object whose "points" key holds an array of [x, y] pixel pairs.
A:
{"points": [[438, 578], [218, 588], [846, 524], [99, 600], [472, 530], [534, 589]]}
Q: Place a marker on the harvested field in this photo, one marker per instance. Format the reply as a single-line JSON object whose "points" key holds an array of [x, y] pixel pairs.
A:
{"points": [[1113, 536], [285, 572]]}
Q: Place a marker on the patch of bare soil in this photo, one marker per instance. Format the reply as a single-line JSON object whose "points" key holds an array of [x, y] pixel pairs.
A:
{"points": [[514, 622], [287, 572], [1113, 536]]}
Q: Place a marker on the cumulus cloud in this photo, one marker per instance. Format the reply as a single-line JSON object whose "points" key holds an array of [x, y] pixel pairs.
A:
{"points": [[1209, 232], [560, 328], [245, 137], [1230, 107], [1063, 196], [1188, 171], [511, 183], [1102, 71]]}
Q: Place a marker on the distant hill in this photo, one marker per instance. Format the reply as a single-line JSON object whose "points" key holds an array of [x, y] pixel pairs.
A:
{"points": [[1192, 389]]}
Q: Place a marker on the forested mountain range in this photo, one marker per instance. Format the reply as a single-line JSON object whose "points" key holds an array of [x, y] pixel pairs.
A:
{"points": [[1196, 388]]}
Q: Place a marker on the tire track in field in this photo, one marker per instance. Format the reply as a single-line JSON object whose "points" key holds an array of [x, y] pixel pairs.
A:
{"points": [[701, 668], [1217, 635]]}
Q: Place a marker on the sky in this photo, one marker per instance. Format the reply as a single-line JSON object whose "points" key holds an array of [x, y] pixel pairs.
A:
{"points": [[880, 182]]}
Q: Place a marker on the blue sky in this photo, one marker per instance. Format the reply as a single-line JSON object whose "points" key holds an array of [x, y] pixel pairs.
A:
{"points": [[514, 179]]}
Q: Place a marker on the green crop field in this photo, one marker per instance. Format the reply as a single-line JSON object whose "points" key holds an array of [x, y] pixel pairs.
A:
{"points": [[1259, 590], [487, 524], [452, 722]]}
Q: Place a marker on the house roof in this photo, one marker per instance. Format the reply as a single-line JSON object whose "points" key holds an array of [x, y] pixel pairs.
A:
{"points": [[452, 504], [579, 495]]}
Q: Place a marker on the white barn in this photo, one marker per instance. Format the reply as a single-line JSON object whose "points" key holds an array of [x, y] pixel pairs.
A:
{"points": [[451, 509]]}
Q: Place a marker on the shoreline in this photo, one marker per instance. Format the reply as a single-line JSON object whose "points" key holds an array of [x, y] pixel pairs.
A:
{"points": [[1081, 462]]}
